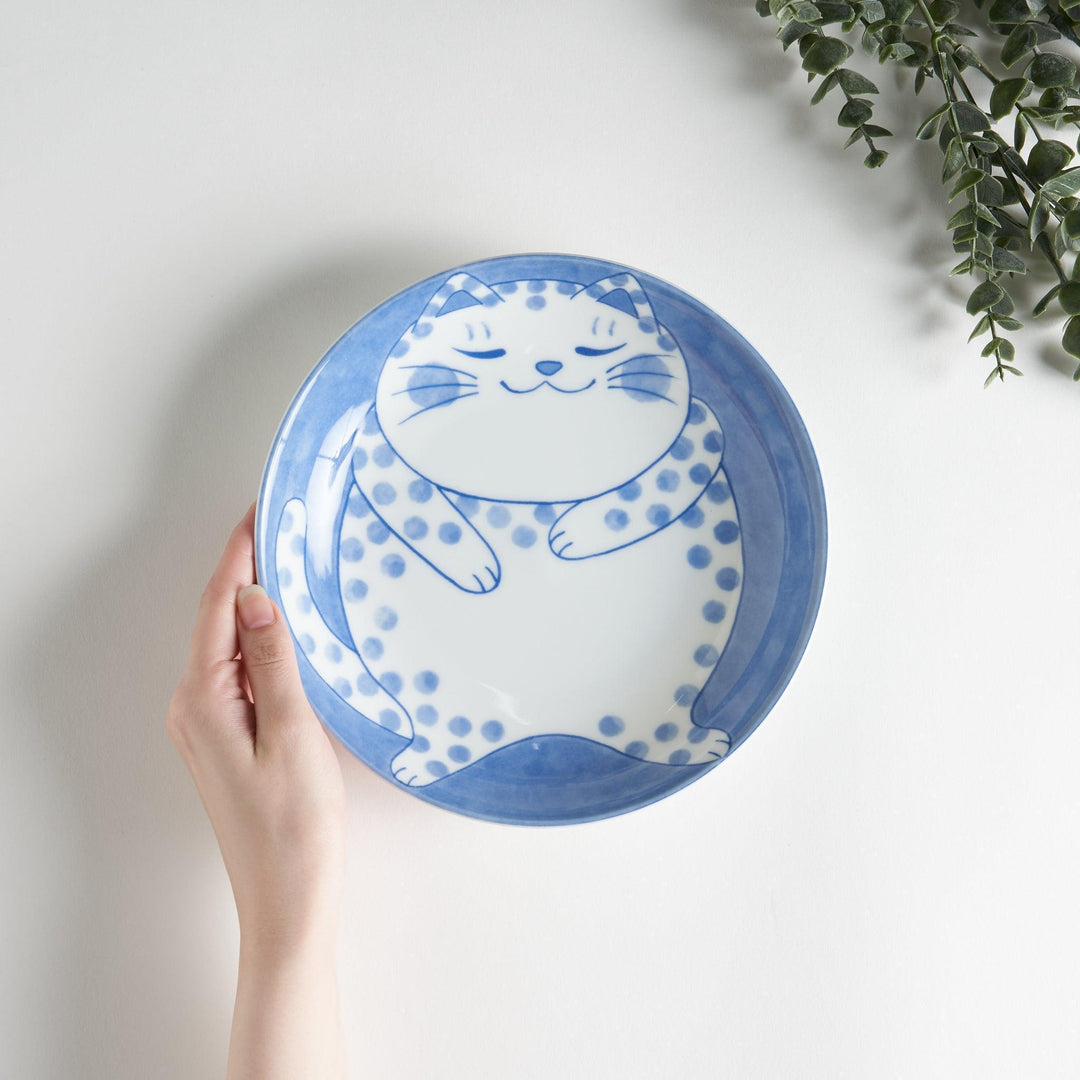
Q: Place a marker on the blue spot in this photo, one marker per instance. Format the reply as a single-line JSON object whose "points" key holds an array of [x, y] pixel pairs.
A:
{"points": [[507, 287], [594, 291], [701, 473], [629, 492], [307, 643], [303, 602], [355, 589], [342, 688], [449, 533], [666, 732], [420, 744], [391, 680], [699, 557], [468, 505], [544, 513], [685, 695], [726, 532], [333, 652], [371, 422], [400, 349], [535, 302], [385, 618], [359, 458], [679, 757], [637, 296], [372, 648], [566, 288], [492, 730], [536, 286], [389, 719], [351, 549], [284, 578], [297, 545], [637, 749], [287, 521], [697, 734], [667, 480], [358, 505], [489, 300], [611, 725], [693, 517], [682, 449], [620, 279], [647, 326], [427, 715], [383, 456], [377, 532], [714, 611], [460, 726], [658, 515], [422, 329], [457, 752], [498, 516], [426, 682], [696, 414], [430, 386], [419, 490], [713, 443], [728, 578], [415, 528], [718, 492], [523, 536], [383, 494], [706, 655], [616, 519], [665, 342], [367, 685], [437, 769], [393, 565]]}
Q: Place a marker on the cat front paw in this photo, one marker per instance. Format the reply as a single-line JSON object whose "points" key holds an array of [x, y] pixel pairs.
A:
{"points": [[581, 533]]}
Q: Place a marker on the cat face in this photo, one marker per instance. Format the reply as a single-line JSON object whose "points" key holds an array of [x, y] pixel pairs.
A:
{"points": [[533, 391]]}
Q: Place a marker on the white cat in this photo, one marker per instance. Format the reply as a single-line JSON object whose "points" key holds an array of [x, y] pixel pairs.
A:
{"points": [[539, 538]]}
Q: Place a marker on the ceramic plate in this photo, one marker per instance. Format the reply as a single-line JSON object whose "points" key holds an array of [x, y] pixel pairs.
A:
{"points": [[550, 537]]}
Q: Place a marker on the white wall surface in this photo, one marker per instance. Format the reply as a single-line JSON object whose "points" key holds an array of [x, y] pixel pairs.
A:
{"points": [[197, 200]]}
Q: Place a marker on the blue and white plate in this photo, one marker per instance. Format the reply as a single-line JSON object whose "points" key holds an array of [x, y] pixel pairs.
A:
{"points": [[550, 537]]}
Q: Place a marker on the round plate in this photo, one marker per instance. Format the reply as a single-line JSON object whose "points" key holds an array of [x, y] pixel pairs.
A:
{"points": [[550, 537]]}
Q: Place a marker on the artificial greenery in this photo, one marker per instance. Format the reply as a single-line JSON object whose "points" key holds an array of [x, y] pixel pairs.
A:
{"points": [[1001, 88]]}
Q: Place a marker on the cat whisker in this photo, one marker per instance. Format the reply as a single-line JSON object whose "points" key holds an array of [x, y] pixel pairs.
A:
{"points": [[438, 404], [439, 367], [640, 356], [638, 390], [433, 386], [635, 374]]}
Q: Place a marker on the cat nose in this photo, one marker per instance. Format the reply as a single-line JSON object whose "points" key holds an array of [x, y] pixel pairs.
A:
{"points": [[548, 367]]}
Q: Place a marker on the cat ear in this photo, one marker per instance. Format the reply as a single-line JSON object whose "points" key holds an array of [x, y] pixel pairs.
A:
{"points": [[459, 291], [622, 292]]}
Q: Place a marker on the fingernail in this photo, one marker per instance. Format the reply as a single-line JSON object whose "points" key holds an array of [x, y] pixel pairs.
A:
{"points": [[254, 606]]}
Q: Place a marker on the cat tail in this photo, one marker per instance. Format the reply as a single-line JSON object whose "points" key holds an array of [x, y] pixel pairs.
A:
{"points": [[336, 662]]}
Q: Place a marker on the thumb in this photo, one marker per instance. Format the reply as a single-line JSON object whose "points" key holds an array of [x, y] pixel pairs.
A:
{"points": [[270, 662]]}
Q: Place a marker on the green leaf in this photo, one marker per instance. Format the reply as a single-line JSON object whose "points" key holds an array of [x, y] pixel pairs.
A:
{"points": [[1076, 374], [1005, 96], [970, 117], [1070, 339], [1069, 298], [1044, 303], [876, 132], [1020, 129], [1038, 220], [964, 216], [990, 192], [995, 374], [980, 328], [1053, 100], [1004, 307], [1062, 186], [1051, 69], [1070, 224], [931, 124], [1018, 44], [824, 87], [968, 179], [1009, 12], [984, 296], [825, 55], [1008, 323], [1008, 354], [899, 50], [1008, 262], [806, 12], [992, 346], [875, 159], [1048, 158], [944, 11], [854, 83], [954, 160], [855, 113], [762, 8]]}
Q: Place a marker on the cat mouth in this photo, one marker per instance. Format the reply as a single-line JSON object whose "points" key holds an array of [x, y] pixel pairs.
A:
{"points": [[547, 382]]}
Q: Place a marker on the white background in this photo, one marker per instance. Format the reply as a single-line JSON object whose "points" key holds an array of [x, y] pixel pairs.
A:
{"points": [[197, 200]]}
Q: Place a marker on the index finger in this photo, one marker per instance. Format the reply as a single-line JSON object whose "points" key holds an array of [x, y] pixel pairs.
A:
{"points": [[214, 638]]}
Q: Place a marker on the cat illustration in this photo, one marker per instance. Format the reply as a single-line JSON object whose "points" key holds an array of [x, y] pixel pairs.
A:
{"points": [[530, 529]]}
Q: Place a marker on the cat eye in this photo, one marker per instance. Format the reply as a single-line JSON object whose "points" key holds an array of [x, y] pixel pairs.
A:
{"points": [[584, 350], [488, 354]]}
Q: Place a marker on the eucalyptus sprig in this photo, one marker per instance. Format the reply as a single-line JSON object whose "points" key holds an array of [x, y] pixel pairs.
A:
{"points": [[1016, 211]]}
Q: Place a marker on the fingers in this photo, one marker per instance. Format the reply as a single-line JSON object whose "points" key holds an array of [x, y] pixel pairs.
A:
{"points": [[214, 638]]}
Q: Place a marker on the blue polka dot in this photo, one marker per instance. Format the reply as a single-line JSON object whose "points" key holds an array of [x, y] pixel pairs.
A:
{"points": [[383, 494], [303, 602], [544, 513], [333, 652], [507, 287], [701, 473], [693, 517], [367, 685], [427, 682], [468, 505], [498, 516], [385, 618], [536, 303], [489, 300], [713, 442], [637, 748], [307, 643], [393, 565], [355, 589], [372, 648], [665, 342], [457, 752], [427, 715], [342, 688], [358, 505], [351, 549], [667, 480], [706, 655], [658, 515], [726, 532], [287, 521], [697, 734], [647, 326], [523, 536], [460, 726], [371, 422], [391, 680], [419, 490], [420, 744], [492, 730], [377, 532], [415, 528], [666, 732], [699, 557], [437, 769], [718, 492], [400, 349], [383, 456], [696, 414], [682, 449], [297, 545], [679, 757], [714, 611], [359, 458], [449, 533], [616, 519], [637, 296], [284, 577], [629, 492], [728, 578], [611, 725], [685, 695], [389, 719], [567, 288], [422, 329], [536, 286]]}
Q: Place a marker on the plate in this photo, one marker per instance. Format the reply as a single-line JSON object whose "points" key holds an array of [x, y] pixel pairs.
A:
{"points": [[549, 536]]}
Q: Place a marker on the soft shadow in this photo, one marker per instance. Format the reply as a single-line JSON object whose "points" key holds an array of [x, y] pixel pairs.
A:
{"points": [[138, 991]]}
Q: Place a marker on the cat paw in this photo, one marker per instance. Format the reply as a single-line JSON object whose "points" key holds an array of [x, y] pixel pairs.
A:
{"points": [[483, 580], [408, 769], [579, 533]]}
